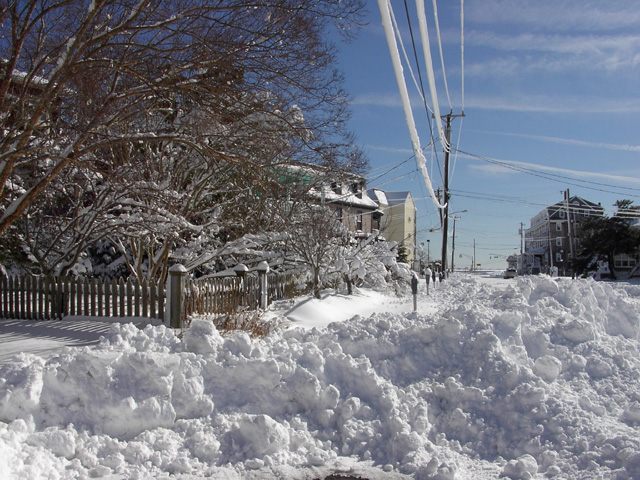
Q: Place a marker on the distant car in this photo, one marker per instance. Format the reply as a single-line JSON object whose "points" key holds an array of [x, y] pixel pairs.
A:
{"points": [[510, 273]]}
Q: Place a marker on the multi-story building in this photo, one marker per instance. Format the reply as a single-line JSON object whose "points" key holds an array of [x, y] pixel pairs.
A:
{"points": [[343, 193], [352, 206], [552, 240], [398, 224]]}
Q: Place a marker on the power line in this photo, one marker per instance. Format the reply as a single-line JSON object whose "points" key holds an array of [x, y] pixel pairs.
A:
{"points": [[385, 12], [554, 177], [462, 52], [422, 94], [444, 76]]}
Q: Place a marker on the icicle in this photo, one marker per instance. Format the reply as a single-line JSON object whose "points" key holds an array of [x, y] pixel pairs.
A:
{"points": [[385, 8]]}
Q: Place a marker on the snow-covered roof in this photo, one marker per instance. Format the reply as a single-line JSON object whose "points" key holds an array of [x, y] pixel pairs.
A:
{"points": [[388, 198], [378, 196], [350, 198], [396, 198]]}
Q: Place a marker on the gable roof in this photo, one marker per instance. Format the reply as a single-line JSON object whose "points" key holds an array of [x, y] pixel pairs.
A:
{"points": [[396, 198], [388, 198], [576, 205]]}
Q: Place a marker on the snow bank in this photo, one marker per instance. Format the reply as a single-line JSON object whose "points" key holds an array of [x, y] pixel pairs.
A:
{"points": [[536, 380]]}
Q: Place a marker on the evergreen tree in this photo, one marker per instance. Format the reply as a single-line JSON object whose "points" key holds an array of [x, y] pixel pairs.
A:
{"points": [[602, 239], [403, 254]]}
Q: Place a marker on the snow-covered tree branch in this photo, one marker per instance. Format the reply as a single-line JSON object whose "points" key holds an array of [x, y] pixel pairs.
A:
{"points": [[231, 81]]}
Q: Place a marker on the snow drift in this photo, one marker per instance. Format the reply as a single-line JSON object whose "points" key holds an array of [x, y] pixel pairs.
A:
{"points": [[535, 380]]}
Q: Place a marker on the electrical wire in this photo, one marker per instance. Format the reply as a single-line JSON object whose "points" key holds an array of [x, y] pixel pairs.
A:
{"points": [[420, 86], [554, 177], [426, 50], [423, 95], [385, 11], [455, 157], [444, 76], [462, 51]]}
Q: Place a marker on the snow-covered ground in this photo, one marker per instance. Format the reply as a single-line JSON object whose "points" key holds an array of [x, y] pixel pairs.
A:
{"points": [[532, 377]]}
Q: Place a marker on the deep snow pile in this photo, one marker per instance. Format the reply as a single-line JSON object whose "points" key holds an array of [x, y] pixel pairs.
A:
{"points": [[537, 380]]}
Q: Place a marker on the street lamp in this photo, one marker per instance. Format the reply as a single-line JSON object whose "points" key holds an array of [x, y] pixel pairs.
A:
{"points": [[428, 251]]}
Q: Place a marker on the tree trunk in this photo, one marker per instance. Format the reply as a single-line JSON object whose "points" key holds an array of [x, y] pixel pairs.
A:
{"points": [[349, 283], [611, 266], [316, 282]]}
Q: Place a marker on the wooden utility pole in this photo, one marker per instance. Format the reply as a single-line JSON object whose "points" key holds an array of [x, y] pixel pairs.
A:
{"points": [[445, 187], [569, 233], [473, 265], [453, 244]]}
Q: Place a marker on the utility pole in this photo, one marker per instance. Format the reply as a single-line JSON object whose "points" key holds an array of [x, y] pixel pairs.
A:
{"points": [[521, 261], [453, 243], [569, 232], [445, 186], [473, 265], [521, 238]]}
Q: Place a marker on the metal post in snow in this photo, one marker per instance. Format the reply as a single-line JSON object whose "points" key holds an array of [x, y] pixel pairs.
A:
{"points": [[414, 290]]}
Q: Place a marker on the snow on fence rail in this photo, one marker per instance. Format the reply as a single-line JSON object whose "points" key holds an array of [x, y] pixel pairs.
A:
{"points": [[47, 298]]}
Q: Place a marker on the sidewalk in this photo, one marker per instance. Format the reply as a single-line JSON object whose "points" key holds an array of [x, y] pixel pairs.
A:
{"points": [[48, 337]]}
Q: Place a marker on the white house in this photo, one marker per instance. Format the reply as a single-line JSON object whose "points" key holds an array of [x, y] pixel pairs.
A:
{"points": [[398, 224]]}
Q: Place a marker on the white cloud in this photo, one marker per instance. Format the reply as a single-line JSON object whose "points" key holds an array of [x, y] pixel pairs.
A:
{"points": [[494, 165], [570, 141], [492, 170], [552, 104], [378, 100], [403, 151], [516, 102], [554, 53], [593, 15]]}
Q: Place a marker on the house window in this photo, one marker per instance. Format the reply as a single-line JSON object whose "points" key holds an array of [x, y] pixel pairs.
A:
{"points": [[358, 220], [563, 214], [558, 227], [375, 222], [339, 214], [558, 241], [624, 261], [558, 257]]}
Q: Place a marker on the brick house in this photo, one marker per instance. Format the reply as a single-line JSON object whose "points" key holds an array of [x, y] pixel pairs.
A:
{"points": [[553, 237]]}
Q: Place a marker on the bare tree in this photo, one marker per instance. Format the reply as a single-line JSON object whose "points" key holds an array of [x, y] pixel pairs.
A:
{"points": [[233, 82], [315, 242]]}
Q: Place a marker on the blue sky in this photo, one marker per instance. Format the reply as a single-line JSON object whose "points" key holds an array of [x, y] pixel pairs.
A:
{"points": [[551, 102]]}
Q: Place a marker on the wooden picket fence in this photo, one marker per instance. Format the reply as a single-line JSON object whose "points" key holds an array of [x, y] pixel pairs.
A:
{"points": [[46, 298], [224, 295]]}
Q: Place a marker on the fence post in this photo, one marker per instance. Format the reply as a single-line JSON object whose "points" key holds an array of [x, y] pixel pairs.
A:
{"points": [[175, 295], [241, 271], [263, 269]]}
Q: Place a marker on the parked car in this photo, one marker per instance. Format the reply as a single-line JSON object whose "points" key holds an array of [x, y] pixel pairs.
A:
{"points": [[510, 273]]}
